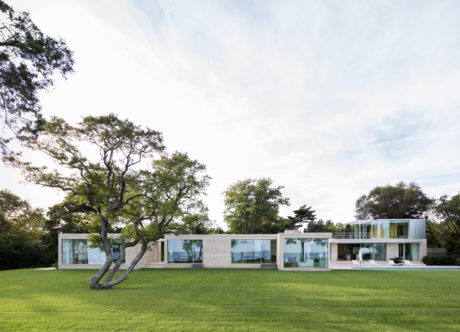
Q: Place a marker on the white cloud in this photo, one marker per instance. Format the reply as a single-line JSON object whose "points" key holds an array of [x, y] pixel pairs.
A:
{"points": [[327, 98]]}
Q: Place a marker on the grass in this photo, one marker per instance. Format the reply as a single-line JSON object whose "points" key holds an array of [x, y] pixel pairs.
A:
{"points": [[233, 300]]}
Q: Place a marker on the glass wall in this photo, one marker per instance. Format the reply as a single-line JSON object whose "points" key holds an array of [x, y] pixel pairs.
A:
{"points": [[254, 251], [394, 229], [185, 251], [306, 253], [374, 251], [76, 251], [408, 251], [390, 229]]}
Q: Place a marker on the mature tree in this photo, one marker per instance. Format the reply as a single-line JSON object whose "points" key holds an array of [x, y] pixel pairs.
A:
{"points": [[302, 216], [393, 202], [28, 63], [166, 196], [252, 206], [448, 210], [112, 181]]}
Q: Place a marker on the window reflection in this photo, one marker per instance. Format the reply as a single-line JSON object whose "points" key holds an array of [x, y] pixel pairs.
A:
{"points": [[76, 251], [311, 253], [253, 251], [185, 251]]}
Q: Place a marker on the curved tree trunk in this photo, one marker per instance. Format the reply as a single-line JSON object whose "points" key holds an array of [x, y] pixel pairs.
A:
{"points": [[94, 281], [108, 281]]}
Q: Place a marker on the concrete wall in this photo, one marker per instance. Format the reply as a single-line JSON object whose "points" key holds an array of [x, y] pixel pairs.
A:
{"points": [[422, 250], [392, 250], [333, 252], [436, 252]]}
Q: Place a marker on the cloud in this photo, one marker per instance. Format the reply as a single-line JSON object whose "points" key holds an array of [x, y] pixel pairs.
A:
{"points": [[327, 98]]}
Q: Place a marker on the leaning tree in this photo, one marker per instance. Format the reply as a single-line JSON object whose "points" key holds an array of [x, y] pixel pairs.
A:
{"points": [[29, 61], [120, 171]]}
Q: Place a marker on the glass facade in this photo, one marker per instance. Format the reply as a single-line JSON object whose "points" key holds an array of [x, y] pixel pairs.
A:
{"points": [[76, 251], [311, 253], [408, 251], [390, 229], [394, 229], [185, 251], [350, 251], [254, 251]]}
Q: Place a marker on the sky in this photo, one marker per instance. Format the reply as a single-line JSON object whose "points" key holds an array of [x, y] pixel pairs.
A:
{"points": [[327, 98]]}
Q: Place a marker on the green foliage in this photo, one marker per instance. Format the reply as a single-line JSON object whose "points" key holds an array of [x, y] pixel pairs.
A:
{"points": [[397, 260], [303, 215], [402, 201], [18, 217], [29, 61], [448, 211], [252, 206], [446, 260], [18, 251], [318, 226], [434, 234]]}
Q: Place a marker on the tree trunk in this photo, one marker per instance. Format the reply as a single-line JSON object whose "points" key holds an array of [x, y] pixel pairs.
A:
{"points": [[94, 281], [108, 282]]}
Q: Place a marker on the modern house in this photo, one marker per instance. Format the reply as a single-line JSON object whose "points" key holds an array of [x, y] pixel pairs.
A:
{"points": [[377, 240]]}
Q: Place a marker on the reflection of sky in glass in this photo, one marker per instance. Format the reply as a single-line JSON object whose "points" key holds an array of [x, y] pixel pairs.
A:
{"points": [[310, 244]]}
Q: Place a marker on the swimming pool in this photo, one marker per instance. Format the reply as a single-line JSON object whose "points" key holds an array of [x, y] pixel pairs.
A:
{"points": [[395, 268]]}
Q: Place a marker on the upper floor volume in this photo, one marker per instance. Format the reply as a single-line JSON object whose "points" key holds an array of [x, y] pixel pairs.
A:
{"points": [[385, 229]]}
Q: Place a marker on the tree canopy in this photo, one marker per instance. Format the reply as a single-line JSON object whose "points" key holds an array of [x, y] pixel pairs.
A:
{"points": [[302, 216], [124, 178], [18, 217], [29, 61], [448, 210], [393, 202], [252, 206]]}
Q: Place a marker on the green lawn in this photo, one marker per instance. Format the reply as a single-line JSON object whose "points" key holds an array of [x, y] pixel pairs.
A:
{"points": [[233, 300]]}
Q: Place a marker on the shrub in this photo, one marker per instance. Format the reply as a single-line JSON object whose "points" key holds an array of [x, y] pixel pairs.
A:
{"points": [[18, 252], [446, 260]]}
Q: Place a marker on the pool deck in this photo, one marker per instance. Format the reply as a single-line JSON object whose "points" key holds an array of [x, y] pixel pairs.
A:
{"points": [[385, 266]]}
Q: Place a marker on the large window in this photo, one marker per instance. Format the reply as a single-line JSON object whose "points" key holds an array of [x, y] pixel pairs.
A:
{"points": [[408, 251], [74, 252], [375, 251], [394, 229], [185, 251], [79, 252], [254, 251], [311, 253]]}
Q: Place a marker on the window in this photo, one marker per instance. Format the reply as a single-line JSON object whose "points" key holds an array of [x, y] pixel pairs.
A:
{"points": [[374, 251], [74, 252], [311, 253], [253, 251], [185, 251], [79, 252], [408, 251], [394, 229]]}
